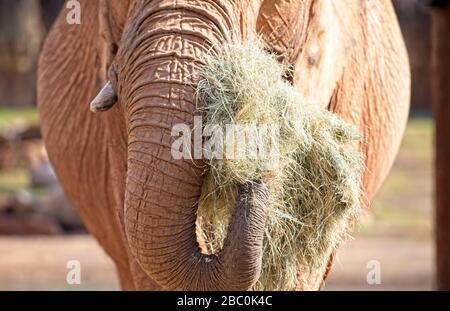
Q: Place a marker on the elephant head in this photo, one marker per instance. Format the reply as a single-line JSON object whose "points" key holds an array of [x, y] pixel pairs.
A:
{"points": [[152, 52], [144, 56]]}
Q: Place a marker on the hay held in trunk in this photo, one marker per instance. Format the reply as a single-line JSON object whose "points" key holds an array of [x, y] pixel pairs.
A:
{"points": [[312, 170]]}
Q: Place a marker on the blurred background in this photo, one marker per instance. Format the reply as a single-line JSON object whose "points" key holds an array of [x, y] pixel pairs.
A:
{"points": [[40, 233]]}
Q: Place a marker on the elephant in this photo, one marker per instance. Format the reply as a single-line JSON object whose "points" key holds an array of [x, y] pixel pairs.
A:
{"points": [[138, 60]]}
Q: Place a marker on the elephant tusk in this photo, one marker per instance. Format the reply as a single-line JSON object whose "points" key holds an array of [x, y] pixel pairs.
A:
{"points": [[105, 99]]}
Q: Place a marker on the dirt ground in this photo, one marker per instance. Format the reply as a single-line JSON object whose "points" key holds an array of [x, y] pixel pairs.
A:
{"points": [[397, 233], [39, 263], [405, 264]]}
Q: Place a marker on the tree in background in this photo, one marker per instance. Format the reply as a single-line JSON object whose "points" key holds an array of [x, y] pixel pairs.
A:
{"points": [[50, 10], [415, 22], [23, 24], [441, 108]]}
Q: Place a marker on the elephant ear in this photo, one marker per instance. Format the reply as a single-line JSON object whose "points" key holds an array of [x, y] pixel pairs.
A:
{"points": [[374, 91], [68, 79], [69, 64]]}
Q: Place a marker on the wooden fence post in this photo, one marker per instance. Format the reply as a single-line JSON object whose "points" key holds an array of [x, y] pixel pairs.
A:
{"points": [[441, 109]]}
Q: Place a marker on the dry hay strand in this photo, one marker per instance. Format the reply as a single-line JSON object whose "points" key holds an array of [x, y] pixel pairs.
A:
{"points": [[313, 171]]}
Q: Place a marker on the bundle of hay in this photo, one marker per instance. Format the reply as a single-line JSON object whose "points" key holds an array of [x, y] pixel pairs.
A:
{"points": [[312, 171]]}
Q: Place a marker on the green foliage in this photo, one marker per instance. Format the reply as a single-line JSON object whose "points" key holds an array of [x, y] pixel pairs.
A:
{"points": [[17, 116]]}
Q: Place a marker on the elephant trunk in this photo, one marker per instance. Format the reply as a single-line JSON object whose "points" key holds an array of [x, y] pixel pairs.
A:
{"points": [[162, 192]]}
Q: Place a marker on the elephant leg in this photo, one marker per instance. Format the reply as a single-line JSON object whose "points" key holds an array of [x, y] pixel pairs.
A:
{"points": [[132, 277], [141, 280], [125, 278]]}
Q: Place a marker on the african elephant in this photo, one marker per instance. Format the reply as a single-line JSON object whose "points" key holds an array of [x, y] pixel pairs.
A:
{"points": [[138, 202]]}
